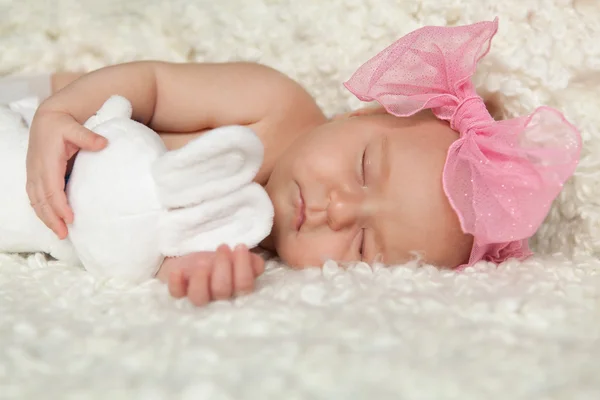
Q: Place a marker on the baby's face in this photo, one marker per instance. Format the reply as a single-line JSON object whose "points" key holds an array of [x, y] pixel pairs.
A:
{"points": [[367, 188]]}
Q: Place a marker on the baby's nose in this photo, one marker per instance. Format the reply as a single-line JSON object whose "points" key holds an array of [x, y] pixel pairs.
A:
{"points": [[345, 209]]}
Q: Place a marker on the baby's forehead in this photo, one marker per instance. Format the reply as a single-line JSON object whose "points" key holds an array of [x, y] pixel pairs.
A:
{"points": [[401, 129]]}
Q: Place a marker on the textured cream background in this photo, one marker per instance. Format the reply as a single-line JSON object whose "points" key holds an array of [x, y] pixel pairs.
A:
{"points": [[523, 331]]}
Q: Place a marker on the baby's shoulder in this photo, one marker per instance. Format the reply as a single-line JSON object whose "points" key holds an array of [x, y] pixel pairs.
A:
{"points": [[291, 99], [293, 112]]}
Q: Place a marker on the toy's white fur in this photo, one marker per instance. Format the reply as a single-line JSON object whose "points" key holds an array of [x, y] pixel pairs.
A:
{"points": [[134, 202], [522, 331]]}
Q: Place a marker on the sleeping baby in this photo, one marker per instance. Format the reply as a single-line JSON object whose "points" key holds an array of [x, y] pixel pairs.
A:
{"points": [[428, 174]]}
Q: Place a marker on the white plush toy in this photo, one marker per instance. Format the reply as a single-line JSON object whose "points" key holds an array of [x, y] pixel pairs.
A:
{"points": [[134, 202]]}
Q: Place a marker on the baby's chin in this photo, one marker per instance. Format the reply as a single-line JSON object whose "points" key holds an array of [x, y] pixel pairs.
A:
{"points": [[294, 255]]}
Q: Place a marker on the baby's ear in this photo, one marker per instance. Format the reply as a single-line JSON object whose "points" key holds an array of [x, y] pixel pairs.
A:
{"points": [[494, 107], [372, 110]]}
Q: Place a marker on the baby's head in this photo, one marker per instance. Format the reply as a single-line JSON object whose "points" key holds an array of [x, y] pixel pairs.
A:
{"points": [[449, 185], [367, 186]]}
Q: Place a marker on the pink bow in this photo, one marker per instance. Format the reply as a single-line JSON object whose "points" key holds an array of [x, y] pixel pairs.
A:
{"points": [[500, 177]]}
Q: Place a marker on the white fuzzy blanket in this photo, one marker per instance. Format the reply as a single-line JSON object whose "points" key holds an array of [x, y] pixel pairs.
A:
{"points": [[521, 331]]}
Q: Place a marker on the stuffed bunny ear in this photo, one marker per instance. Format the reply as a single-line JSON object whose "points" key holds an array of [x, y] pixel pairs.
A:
{"points": [[241, 217], [208, 193], [214, 164]]}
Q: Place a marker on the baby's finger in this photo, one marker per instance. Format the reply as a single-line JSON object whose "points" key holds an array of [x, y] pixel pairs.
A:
{"points": [[85, 139], [31, 189], [258, 264], [221, 282], [54, 192], [177, 284], [242, 270], [61, 207], [198, 287], [46, 213], [190, 262]]}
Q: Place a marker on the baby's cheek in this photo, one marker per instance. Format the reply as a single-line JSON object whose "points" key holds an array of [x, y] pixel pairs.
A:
{"points": [[322, 163], [310, 251]]}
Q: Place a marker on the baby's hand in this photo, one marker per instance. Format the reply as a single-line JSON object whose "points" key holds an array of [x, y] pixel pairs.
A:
{"points": [[54, 138], [208, 276]]}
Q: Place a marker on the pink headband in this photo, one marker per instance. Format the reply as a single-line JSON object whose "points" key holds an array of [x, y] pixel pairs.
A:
{"points": [[500, 177]]}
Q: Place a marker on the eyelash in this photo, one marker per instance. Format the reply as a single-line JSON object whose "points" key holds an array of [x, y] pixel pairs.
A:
{"points": [[361, 245], [364, 175]]}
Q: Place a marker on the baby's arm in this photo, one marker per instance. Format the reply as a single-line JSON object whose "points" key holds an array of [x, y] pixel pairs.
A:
{"points": [[59, 80], [180, 98], [170, 98]]}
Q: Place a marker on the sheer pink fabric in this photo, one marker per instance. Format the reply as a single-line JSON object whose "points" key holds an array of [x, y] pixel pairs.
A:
{"points": [[500, 177]]}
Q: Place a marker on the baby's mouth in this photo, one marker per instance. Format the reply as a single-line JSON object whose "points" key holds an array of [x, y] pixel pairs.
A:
{"points": [[300, 210]]}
